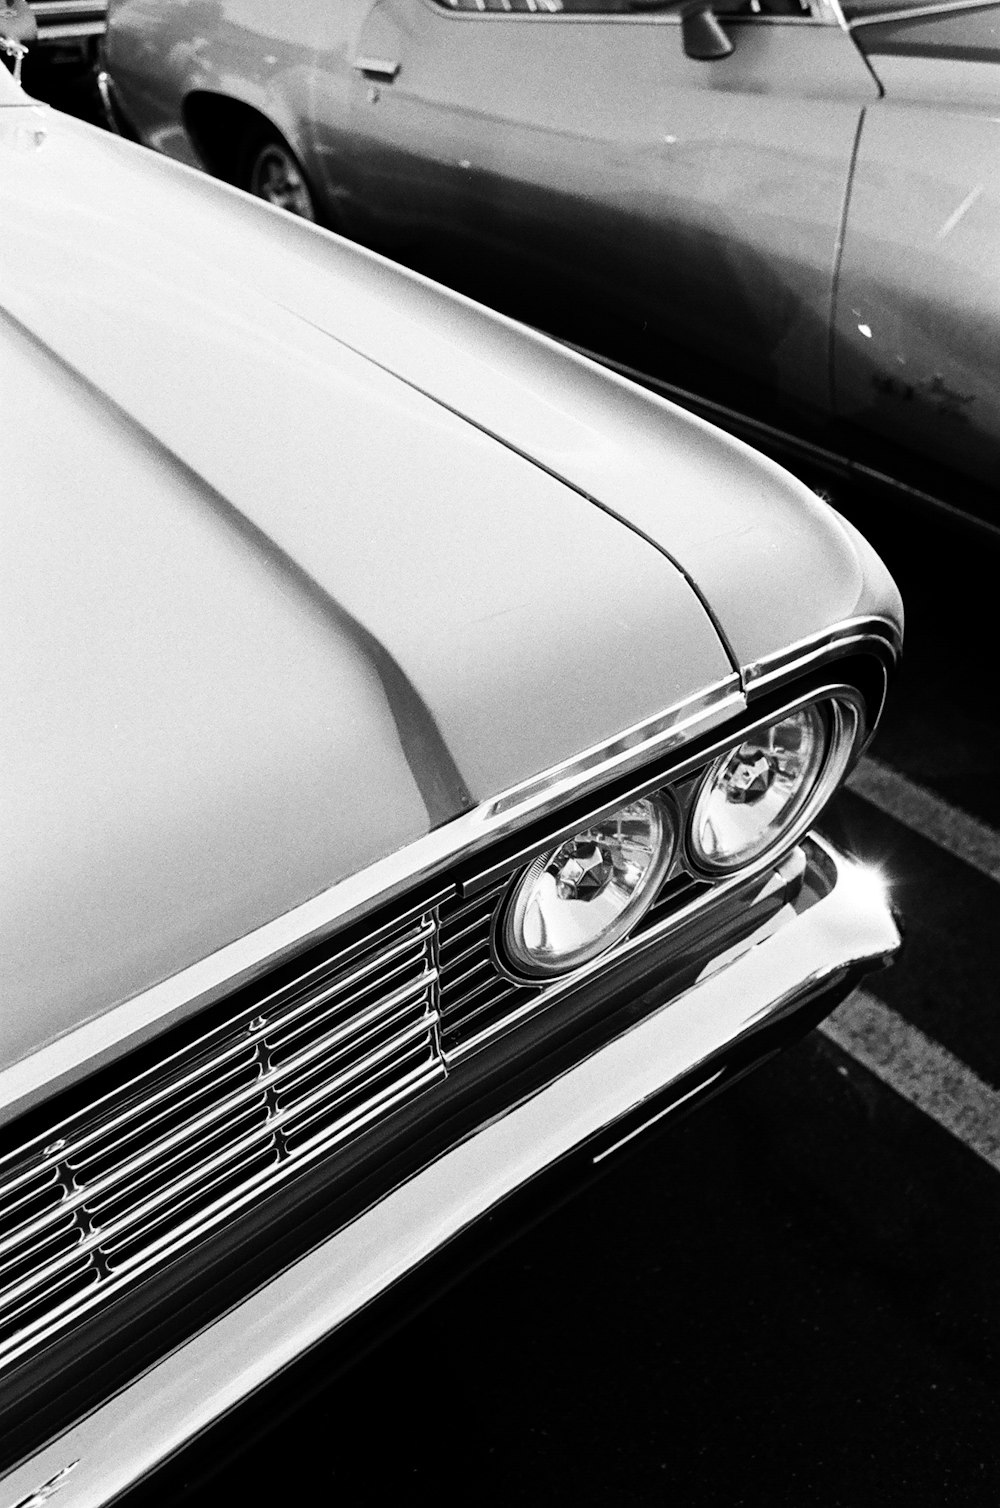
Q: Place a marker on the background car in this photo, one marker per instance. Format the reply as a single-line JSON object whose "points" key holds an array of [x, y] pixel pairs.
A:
{"points": [[414, 737], [800, 226], [68, 30]]}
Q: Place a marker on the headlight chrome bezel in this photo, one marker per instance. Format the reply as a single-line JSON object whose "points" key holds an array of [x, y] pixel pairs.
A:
{"points": [[514, 947], [841, 722], [840, 715], [843, 716]]}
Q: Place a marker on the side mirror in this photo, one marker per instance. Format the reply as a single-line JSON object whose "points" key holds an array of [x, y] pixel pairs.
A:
{"points": [[702, 34]]}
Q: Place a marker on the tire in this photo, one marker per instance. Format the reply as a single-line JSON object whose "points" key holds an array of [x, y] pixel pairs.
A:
{"points": [[270, 170]]}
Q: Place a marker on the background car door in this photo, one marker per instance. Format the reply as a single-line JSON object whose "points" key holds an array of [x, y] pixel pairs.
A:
{"points": [[695, 202], [918, 308]]}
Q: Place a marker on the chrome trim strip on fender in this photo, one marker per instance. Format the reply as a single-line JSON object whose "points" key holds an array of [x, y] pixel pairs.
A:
{"points": [[105, 91], [836, 11], [128, 1025], [775, 669], [656, 735], [850, 926]]}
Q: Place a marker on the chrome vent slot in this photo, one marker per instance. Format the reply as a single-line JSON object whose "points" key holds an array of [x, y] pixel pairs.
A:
{"points": [[475, 996], [192, 1207], [497, 1004], [326, 1122], [54, 1297], [30, 1199], [165, 1181], [293, 1071], [471, 976], [152, 1143], [44, 1251]]}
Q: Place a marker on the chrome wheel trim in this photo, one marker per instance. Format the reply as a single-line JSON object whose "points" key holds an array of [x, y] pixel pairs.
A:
{"points": [[276, 177]]}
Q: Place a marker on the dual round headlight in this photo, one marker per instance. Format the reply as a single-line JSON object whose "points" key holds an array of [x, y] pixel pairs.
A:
{"points": [[575, 901], [580, 898], [752, 797]]}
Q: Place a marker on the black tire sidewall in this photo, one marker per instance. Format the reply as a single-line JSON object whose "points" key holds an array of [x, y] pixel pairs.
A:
{"points": [[254, 144]]}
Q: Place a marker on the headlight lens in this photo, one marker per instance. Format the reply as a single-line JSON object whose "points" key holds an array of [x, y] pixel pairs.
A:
{"points": [[580, 898], [752, 796]]}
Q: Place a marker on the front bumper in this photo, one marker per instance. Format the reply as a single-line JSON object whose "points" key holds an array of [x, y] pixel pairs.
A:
{"points": [[798, 966]]}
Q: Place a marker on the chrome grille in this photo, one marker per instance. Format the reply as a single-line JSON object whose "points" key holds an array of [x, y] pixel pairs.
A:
{"points": [[113, 1192], [293, 1070]]}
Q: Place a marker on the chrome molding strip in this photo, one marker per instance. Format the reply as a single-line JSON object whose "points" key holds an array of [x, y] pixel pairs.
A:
{"points": [[126, 1026], [105, 91], [639, 744], [832, 13], [848, 926], [860, 633]]}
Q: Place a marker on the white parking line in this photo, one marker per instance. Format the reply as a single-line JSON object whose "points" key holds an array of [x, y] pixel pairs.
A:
{"points": [[921, 1070], [926, 814]]}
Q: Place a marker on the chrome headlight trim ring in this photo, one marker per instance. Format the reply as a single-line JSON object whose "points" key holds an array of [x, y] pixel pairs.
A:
{"points": [[841, 724], [512, 948]]}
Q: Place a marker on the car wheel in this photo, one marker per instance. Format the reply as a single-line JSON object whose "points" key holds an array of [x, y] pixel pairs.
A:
{"points": [[273, 172]]}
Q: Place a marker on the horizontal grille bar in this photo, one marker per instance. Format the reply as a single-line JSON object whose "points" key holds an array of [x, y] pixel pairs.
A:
{"points": [[474, 994], [115, 1190]]}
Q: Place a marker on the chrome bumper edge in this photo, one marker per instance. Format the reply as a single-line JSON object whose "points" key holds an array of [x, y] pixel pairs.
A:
{"points": [[852, 927]]}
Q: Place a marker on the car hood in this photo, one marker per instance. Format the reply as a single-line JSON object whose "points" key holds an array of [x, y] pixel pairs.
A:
{"points": [[773, 564], [270, 612]]}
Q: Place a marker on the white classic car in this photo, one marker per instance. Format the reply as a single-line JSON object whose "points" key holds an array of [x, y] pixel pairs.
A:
{"points": [[414, 738]]}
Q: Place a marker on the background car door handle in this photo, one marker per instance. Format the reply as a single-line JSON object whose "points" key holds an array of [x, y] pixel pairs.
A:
{"points": [[377, 68]]}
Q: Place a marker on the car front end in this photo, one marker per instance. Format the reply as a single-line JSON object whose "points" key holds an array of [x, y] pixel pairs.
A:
{"points": [[420, 741]]}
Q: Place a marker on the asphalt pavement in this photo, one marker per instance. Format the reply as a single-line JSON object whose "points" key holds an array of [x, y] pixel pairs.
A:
{"points": [[792, 1296]]}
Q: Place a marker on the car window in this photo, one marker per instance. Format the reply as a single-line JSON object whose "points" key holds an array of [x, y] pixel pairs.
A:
{"points": [[625, 7], [536, 7], [865, 10], [965, 35], [750, 8]]}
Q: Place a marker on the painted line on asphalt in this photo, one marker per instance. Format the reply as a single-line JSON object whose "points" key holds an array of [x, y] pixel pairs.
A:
{"points": [[921, 1070], [928, 815]]}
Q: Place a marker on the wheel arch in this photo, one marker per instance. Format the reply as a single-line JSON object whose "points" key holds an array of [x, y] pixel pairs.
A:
{"points": [[219, 124]]}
